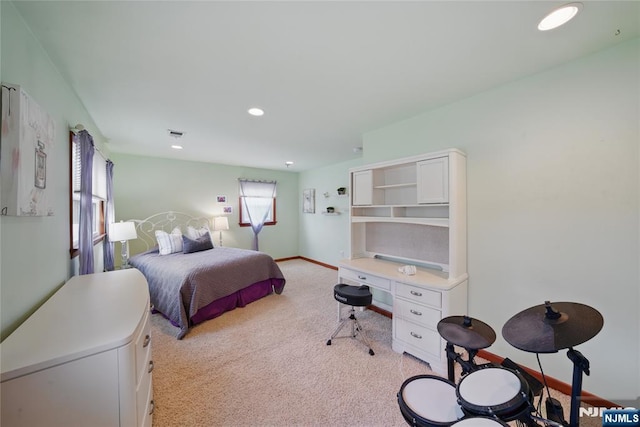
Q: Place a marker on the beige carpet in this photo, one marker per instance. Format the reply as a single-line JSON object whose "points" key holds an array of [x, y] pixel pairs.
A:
{"points": [[268, 364]]}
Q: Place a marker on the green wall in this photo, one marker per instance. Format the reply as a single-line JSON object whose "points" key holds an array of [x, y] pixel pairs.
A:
{"points": [[325, 238], [144, 186], [35, 251], [553, 196]]}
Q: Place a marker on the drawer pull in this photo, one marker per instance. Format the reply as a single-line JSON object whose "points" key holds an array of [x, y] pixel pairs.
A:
{"points": [[150, 366], [152, 405], [413, 334], [362, 277], [417, 313], [147, 340], [416, 293]]}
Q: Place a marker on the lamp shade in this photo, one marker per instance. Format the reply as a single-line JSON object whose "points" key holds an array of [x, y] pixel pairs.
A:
{"points": [[121, 231], [220, 223]]}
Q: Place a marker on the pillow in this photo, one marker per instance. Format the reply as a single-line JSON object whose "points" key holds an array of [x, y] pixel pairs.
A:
{"points": [[193, 233], [196, 245], [169, 243]]}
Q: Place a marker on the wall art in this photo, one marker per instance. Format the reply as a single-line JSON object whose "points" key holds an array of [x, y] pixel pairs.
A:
{"points": [[309, 200]]}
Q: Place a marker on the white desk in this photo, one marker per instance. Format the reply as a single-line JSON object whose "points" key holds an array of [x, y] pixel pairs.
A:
{"points": [[419, 303]]}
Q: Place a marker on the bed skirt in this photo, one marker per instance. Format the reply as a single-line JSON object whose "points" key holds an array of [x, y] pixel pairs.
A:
{"points": [[237, 299]]}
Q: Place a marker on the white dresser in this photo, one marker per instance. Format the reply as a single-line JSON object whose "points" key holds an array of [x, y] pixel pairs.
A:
{"points": [[412, 211], [83, 358]]}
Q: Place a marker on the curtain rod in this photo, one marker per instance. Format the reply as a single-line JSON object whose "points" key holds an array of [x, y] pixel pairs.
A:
{"points": [[79, 128], [258, 180]]}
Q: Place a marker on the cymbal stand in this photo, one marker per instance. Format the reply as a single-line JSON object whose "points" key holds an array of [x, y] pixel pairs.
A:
{"points": [[580, 366], [467, 365]]}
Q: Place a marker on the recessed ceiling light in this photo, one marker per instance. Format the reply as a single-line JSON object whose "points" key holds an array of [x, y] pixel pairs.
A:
{"points": [[255, 111], [559, 16], [177, 147]]}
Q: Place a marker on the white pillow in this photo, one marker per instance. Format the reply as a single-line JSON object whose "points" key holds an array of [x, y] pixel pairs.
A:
{"points": [[195, 233], [169, 243]]}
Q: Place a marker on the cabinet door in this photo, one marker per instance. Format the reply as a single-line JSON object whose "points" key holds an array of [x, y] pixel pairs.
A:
{"points": [[362, 188], [433, 180], [82, 392]]}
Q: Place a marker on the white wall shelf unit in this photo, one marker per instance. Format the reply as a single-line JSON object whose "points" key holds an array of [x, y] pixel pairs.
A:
{"points": [[412, 211]]}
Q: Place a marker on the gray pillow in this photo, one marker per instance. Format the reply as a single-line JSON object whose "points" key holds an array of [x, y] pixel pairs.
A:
{"points": [[196, 245]]}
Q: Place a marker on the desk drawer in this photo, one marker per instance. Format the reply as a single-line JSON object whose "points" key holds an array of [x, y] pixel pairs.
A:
{"points": [[420, 295], [364, 278], [417, 313], [417, 336]]}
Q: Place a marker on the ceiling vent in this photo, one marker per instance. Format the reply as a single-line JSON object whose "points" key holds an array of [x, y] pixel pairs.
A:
{"points": [[175, 133]]}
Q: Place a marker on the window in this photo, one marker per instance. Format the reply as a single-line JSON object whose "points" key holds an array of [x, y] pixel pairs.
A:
{"points": [[99, 191], [271, 216], [259, 196]]}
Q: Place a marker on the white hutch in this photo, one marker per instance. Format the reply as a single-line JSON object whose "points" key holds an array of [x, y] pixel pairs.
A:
{"points": [[412, 211]]}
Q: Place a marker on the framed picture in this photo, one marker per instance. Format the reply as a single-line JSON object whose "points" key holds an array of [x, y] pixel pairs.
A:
{"points": [[41, 167], [221, 199], [309, 200], [227, 209]]}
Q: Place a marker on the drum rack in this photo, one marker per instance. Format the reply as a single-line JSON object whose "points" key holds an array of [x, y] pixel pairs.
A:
{"points": [[546, 328]]}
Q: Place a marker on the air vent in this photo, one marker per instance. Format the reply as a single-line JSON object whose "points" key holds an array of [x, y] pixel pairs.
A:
{"points": [[175, 133]]}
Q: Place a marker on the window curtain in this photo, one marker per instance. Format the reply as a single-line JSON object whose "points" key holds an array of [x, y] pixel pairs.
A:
{"points": [[109, 217], [257, 198], [85, 235]]}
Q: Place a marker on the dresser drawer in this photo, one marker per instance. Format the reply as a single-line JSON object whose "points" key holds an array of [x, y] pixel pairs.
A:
{"points": [[420, 295], [143, 348], [365, 279], [423, 315], [144, 400], [418, 336]]}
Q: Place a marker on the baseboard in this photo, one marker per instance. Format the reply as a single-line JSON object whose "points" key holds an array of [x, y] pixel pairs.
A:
{"points": [[308, 260], [380, 311], [553, 383]]}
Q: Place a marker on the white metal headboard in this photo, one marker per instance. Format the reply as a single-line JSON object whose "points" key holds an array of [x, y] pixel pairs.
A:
{"points": [[165, 221]]}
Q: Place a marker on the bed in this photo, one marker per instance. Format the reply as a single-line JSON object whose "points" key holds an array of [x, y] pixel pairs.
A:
{"points": [[189, 288]]}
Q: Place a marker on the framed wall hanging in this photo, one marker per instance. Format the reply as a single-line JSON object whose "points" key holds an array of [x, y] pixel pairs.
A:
{"points": [[28, 134], [309, 200]]}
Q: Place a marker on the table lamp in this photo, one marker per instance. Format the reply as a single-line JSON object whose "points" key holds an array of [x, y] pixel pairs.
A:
{"points": [[220, 223], [123, 232]]}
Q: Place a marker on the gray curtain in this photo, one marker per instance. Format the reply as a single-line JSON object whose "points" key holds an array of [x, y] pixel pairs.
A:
{"points": [[257, 198], [85, 235], [109, 217]]}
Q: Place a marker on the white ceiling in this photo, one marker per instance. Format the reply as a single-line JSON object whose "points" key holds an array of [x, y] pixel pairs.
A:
{"points": [[325, 72]]}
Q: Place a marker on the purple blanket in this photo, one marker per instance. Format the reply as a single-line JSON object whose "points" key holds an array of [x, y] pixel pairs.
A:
{"points": [[181, 284]]}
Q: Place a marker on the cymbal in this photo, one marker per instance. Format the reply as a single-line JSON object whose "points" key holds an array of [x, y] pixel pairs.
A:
{"points": [[466, 332], [549, 327]]}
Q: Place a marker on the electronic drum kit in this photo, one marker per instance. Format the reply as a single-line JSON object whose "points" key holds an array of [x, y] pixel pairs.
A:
{"points": [[493, 395]]}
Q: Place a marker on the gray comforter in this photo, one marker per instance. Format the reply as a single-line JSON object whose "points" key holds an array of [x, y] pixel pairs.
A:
{"points": [[181, 284]]}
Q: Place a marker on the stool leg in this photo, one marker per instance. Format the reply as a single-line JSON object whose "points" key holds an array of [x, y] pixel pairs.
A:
{"points": [[340, 325], [355, 328], [364, 334]]}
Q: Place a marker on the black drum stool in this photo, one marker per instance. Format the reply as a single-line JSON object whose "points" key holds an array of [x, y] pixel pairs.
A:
{"points": [[355, 296]]}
